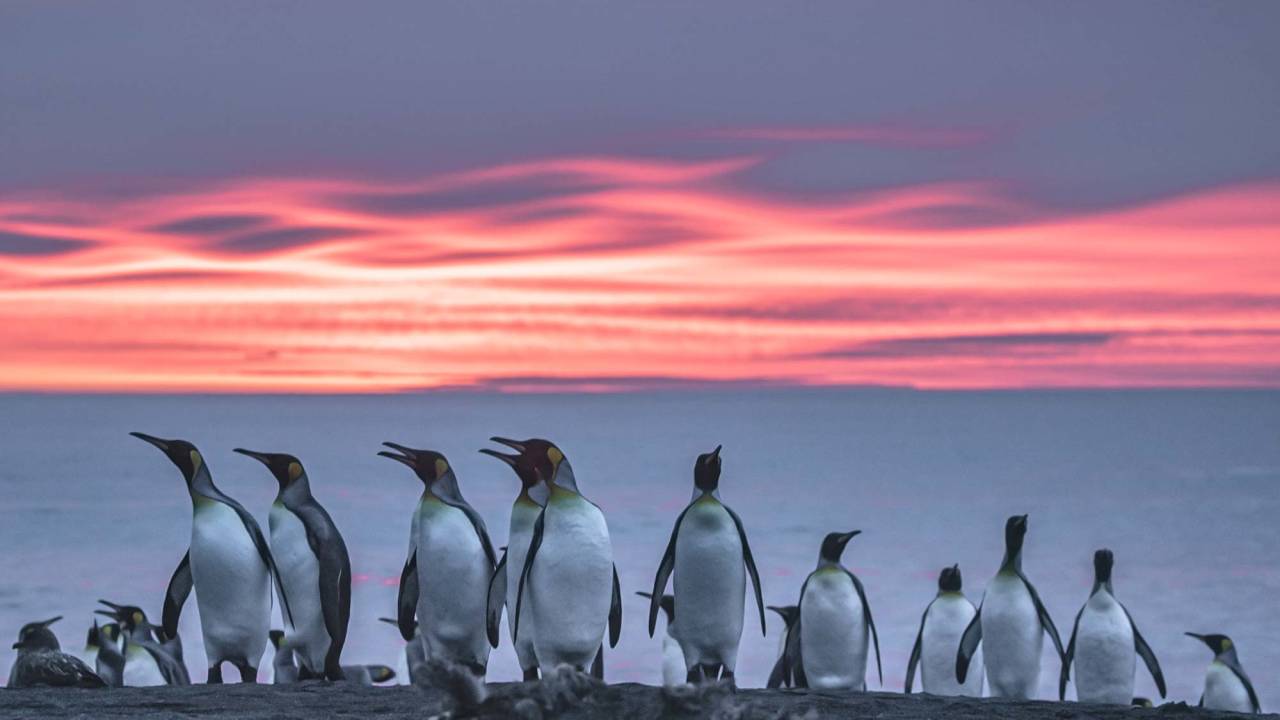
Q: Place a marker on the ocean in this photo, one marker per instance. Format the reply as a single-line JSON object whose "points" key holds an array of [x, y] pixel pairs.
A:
{"points": [[1184, 486]]}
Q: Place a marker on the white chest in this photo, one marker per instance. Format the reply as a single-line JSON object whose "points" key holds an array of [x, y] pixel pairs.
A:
{"points": [[833, 634], [1224, 691], [1104, 654], [1012, 638], [140, 669], [300, 574], [949, 616]]}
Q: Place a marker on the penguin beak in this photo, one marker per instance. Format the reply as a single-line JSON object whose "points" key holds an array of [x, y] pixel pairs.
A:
{"points": [[715, 454], [406, 457], [260, 457], [1197, 636], [504, 457], [17, 645], [513, 444], [647, 596], [389, 621], [162, 444], [50, 621]]}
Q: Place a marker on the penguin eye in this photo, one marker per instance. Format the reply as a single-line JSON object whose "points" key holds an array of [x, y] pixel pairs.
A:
{"points": [[295, 470], [442, 467], [195, 459]]}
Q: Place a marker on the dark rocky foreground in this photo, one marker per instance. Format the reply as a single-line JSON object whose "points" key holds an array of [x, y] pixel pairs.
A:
{"points": [[312, 701]]}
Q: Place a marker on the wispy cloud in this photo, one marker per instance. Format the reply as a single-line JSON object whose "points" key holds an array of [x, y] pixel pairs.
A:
{"points": [[621, 273]]}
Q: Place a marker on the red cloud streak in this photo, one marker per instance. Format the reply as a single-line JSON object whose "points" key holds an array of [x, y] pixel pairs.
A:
{"points": [[610, 273]]}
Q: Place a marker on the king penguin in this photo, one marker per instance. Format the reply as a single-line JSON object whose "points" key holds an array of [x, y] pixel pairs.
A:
{"points": [[285, 670], [1103, 643], [788, 613], [314, 567], [93, 642], [146, 662], [943, 623], [1226, 686], [708, 551], [230, 567], [568, 578], [108, 661], [827, 648], [446, 576], [506, 578], [1010, 624], [674, 670]]}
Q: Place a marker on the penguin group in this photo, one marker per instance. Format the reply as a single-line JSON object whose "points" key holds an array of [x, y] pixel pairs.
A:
{"points": [[557, 585]]}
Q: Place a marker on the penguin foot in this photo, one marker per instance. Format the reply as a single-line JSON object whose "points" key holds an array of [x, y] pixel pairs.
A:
{"points": [[531, 674], [215, 675], [248, 673]]}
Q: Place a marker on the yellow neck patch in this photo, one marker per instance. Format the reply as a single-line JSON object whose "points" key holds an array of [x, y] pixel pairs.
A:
{"points": [[195, 460], [442, 467], [295, 470]]}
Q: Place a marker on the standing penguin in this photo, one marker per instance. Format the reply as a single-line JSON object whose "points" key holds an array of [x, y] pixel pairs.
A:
{"points": [[42, 662], [147, 662], [788, 613], [230, 566], [1226, 686], [827, 647], [506, 578], [1103, 642], [674, 670], [108, 661], [568, 578], [1010, 624], [943, 623], [92, 644], [446, 577], [314, 568], [708, 551]]}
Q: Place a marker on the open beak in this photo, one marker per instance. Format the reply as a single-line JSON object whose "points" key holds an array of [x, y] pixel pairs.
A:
{"points": [[504, 457], [162, 444], [513, 444], [406, 459], [260, 457]]}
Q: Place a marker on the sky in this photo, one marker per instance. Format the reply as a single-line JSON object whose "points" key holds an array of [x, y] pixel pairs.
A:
{"points": [[386, 197]]}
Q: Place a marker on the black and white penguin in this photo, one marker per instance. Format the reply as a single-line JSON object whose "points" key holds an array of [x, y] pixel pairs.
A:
{"points": [[1010, 624], [711, 559], [285, 670], [230, 567], [788, 613], [1104, 641], [411, 666], [941, 627], [674, 670], [1226, 685], [147, 662], [827, 648], [314, 568], [446, 576], [568, 578], [506, 578], [108, 660], [41, 661]]}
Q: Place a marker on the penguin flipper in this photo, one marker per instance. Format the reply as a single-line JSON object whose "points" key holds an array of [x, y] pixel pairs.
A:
{"points": [[1144, 651], [455, 500], [615, 612], [775, 675], [793, 658], [264, 552], [915, 652], [407, 599], [664, 573], [751, 566], [495, 600], [173, 672], [968, 646], [535, 542], [175, 596], [597, 665], [335, 580], [866, 616], [1234, 664], [1045, 621], [1065, 674]]}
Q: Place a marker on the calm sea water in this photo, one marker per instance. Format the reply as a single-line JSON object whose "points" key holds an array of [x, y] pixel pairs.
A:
{"points": [[1183, 486]]}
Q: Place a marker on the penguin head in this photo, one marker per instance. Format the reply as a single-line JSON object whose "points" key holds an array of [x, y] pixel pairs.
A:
{"points": [[706, 471], [833, 545], [788, 613], [1015, 530], [277, 638], [428, 465], [548, 461], [180, 453], [1142, 702], [949, 579], [667, 603], [1217, 643], [285, 468], [521, 462], [130, 617], [1103, 561]]}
